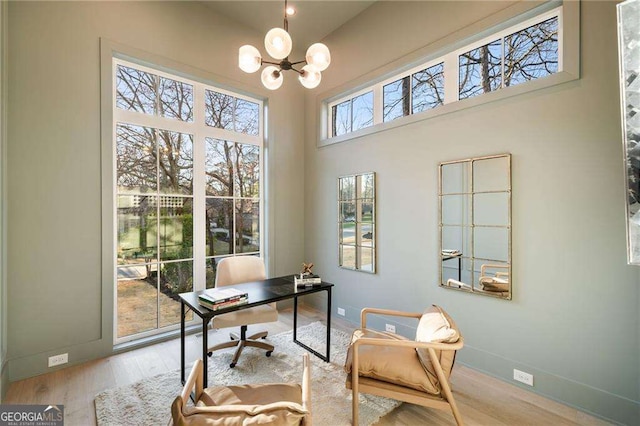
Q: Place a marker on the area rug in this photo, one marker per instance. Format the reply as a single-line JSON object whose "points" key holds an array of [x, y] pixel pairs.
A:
{"points": [[148, 402]]}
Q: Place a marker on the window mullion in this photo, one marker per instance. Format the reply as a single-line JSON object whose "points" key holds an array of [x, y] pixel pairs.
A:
{"points": [[451, 76], [199, 182], [377, 104], [502, 61], [156, 132]]}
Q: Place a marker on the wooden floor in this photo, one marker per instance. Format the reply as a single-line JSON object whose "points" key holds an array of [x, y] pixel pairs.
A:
{"points": [[482, 400]]}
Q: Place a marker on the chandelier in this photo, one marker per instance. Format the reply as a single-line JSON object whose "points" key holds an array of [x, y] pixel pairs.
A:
{"points": [[278, 44]]}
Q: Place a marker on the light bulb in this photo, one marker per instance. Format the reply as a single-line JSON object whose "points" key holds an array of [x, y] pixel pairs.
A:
{"points": [[249, 59], [310, 77], [271, 78], [319, 56], [278, 43], [290, 11]]}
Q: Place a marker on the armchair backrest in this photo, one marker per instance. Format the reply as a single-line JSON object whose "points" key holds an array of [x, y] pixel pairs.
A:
{"points": [[240, 269], [437, 326]]}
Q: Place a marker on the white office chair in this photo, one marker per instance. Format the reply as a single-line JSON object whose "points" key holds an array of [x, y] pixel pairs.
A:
{"points": [[237, 270]]}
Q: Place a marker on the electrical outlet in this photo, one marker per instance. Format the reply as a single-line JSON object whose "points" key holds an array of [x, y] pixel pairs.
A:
{"points": [[523, 377], [390, 328], [58, 359], [340, 311]]}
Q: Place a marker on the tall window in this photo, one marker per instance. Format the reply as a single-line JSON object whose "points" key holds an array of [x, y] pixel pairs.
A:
{"points": [[179, 145]]}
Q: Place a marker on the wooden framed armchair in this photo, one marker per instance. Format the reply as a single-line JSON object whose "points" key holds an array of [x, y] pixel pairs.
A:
{"points": [[494, 278], [416, 371], [259, 404]]}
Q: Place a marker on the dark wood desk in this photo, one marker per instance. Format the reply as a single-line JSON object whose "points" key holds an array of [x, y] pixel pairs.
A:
{"points": [[260, 293], [454, 256]]}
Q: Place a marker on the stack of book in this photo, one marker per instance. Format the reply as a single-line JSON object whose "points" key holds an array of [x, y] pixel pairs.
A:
{"points": [[222, 298], [306, 280]]}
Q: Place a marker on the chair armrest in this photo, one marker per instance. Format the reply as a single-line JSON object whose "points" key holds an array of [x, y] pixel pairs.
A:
{"points": [[194, 380], [388, 312], [408, 344]]}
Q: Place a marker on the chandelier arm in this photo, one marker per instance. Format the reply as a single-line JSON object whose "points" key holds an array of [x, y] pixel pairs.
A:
{"points": [[299, 62], [270, 63], [299, 72]]}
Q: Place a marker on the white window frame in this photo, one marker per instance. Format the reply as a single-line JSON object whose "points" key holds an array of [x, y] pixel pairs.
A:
{"points": [[200, 132], [451, 75]]}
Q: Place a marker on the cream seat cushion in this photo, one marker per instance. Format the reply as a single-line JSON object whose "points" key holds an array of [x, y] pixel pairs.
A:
{"points": [[257, 314], [437, 326], [391, 364]]}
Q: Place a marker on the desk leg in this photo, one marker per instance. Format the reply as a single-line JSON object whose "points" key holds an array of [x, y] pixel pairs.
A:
{"points": [[460, 268], [295, 319], [295, 325], [205, 358], [328, 322], [182, 333]]}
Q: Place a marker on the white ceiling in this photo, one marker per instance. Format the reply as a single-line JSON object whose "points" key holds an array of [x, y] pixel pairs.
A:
{"points": [[312, 22]]}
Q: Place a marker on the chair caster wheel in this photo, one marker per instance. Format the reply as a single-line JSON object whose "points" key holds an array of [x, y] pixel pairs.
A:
{"points": [[209, 354], [269, 354], [233, 364]]}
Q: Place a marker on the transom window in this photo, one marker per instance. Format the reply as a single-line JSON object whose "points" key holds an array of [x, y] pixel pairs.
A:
{"points": [[188, 160], [521, 53]]}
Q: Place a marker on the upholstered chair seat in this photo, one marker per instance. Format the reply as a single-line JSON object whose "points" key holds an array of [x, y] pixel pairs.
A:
{"points": [[251, 404]]}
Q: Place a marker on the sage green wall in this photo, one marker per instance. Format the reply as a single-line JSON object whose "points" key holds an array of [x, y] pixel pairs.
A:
{"points": [[573, 321], [54, 177]]}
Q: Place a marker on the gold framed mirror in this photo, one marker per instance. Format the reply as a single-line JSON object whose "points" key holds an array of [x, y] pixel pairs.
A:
{"points": [[475, 225], [357, 222]]}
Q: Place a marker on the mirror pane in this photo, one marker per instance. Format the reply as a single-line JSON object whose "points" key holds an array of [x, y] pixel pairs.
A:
{"points": [[348, 233], [491, 174], [366, 234], [456, 270], [348, 188], [491, 208], [348, 256], [492, 277], [455, 209], [491, 243], [455, 178], [366, 211], [366, 186], [348, 211], [366, 259], [456, 239]]}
